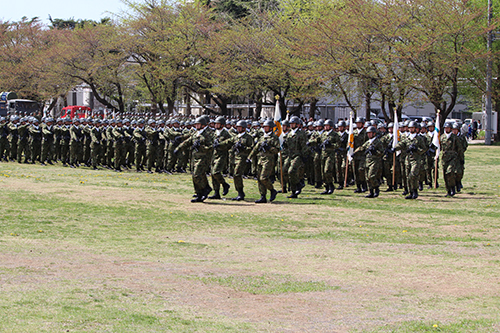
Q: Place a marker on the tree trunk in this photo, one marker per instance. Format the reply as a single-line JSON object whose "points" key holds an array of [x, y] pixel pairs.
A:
{"points": [[313, 107], [368, 104]]}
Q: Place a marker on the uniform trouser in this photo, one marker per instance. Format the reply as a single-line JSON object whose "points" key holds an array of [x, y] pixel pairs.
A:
{"points": [[4, 147], [460, 170], [388, 168], [36, 151], [265, 170], [240, 166], [57, 150], [327, 165], [402, 168], [293, 170], [22, 147], [200, 168], [118, 151], [449, 169], [75, 148], [318, 172], [309, 168], [359, 170], [286, 167], [340, 162], [172, 158], [129, 153], [413, 166], [218, 167], [140, 155], [65, 151], [160, 156], [13, 150], [430, 170], [110, 152], [151, 155], [231, 166], [95, 154], [47, 151], [86, 152], [254, 165], [373, 168]]}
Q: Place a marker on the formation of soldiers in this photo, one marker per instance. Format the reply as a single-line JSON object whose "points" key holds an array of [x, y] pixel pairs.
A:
{"points": [[313, 153]]}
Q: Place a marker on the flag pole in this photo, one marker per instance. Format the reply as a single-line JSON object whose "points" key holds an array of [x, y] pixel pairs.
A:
{"points": [[281, 174]]}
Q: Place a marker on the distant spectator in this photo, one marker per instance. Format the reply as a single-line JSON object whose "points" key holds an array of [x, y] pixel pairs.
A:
{"points": [[475, 126]]}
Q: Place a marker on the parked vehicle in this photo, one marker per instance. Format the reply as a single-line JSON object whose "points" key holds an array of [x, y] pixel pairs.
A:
{"points": [[76, 111]]}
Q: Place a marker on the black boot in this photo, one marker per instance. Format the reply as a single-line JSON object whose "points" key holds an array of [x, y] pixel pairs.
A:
{"points": [[318, 185], [294, 195], [371, 195], [420, 186], [340, 187], [216, 195], [415, 194], [240, 197], [331, 188], [358, 190], [376, 192], [261, 200], [390, 189], [405, 192], [327, 189], [410, 195], [458, 188], [198, 198], [206, 192], [274, 193], [364, 187], [225, 188]]}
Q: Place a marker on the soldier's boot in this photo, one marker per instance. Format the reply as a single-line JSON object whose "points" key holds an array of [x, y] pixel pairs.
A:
{"points": [[371, 195], [198, 198], [415, 194], [429, 187], [262, 199], [310, 181], [437, 184], [294, 193], [216, 195], [284, 190], [331, 188], [340, 187], [364, 187], [157, 170], [206, 192], [327, 189], [376, 192], [420, 186], [274, 193], [240, 197], [318, 185], [458, 187], [225, 188], [149, 171], [405, 192], [449, 194], [390, 189], [410, 195], [358, 189]]}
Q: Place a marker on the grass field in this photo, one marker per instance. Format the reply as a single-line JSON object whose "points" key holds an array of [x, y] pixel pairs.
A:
{"points": [[97, 251]]}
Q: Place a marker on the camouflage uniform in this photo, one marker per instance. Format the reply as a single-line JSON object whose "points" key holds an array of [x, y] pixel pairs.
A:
{"points": [[222, 143], [450, 148], [373, 150]]}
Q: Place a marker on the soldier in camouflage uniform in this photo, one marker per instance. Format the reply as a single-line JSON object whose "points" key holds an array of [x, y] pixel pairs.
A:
{"points": [[266, 149], [86, 128], [463, 145], [241, 145], [96, 144], [22, 141], [110, 144], [285, 127], [415, 148], [450, 148], [359, 160], [314, 145], [65, 140], [373, 150], [128, 144], [296, 145], [4, 139], [201, 143], [35, 141], [341, 158], [118, 144], [151, 144], [330, 143], [76, 143], [140, 146], [222, 143]]}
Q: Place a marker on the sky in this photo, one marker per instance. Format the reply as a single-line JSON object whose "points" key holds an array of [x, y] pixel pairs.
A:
{"points": [[64, 9]]}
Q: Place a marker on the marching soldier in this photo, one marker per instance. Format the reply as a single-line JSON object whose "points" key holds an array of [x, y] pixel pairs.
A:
{"points": [[374, 150], [360, 138], [242, 144], [222, 142], [463, 145], [297, 149], [330, 142], [266, 148]]}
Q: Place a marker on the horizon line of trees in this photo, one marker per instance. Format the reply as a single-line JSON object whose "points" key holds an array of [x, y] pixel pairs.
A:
{"points": [[229, 51]]}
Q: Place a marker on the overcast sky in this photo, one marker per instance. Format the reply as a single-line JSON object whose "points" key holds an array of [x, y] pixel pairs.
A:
{"points": [[64, 9]]}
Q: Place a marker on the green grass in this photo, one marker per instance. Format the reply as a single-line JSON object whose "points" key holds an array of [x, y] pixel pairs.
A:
{"points": [[106, 252]]}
